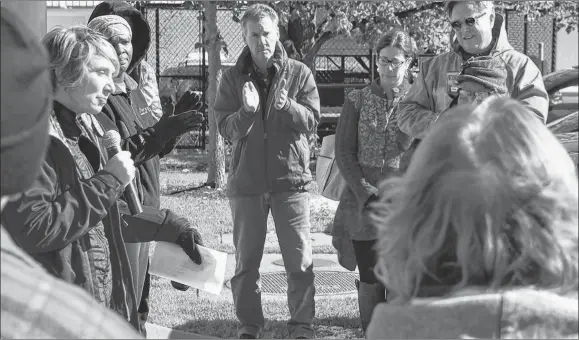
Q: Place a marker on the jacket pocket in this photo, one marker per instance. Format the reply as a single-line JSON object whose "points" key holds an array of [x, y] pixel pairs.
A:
{"points": [[299, 153], [236, 156]]}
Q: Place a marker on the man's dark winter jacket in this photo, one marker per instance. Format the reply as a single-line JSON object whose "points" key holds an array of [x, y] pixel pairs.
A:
{"points": [[271, 150]]}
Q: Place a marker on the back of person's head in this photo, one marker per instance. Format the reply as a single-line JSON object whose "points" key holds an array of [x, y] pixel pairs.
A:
{"points": [[26, 100], [70, 50], [490, 199]]}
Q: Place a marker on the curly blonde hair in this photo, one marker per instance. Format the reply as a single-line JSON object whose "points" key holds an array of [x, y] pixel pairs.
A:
{"points": [[490, 199]]}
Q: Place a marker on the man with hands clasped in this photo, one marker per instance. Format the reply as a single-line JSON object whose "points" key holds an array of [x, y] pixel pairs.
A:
{"points": [[268, 105]]}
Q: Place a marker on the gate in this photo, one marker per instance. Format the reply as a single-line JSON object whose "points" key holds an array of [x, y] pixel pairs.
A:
{"points": [[178, 57], [537, 38]]}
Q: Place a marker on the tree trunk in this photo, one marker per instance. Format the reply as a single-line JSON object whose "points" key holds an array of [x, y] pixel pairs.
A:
{"points": [[216, 174], [313, 51]]}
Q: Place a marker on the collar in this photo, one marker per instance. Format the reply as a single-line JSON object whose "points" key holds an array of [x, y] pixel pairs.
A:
{"points": [[67, 119], [70, 123], [125, 84], [245, 64], [379, 91]]}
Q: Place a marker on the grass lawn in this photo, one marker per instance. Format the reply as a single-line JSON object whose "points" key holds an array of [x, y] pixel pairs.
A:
{"points": [[208, 211]]}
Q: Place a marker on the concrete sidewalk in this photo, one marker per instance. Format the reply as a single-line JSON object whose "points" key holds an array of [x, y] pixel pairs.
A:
{"points": [[160, 332]]}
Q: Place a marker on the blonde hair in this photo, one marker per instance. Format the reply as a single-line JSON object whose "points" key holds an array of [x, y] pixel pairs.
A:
{"points": [[70, 50], [490, 199]]}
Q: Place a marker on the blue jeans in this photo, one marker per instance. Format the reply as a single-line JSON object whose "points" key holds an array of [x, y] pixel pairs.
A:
{"points": [[291, 214]]}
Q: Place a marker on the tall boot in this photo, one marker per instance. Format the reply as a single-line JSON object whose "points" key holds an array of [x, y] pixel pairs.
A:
{"points": [[369, 295]]}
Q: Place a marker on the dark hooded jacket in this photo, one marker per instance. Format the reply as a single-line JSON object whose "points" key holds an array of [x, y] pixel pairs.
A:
{"points": [[72, 225], [270, 148], [139, 25], [128, 113]]}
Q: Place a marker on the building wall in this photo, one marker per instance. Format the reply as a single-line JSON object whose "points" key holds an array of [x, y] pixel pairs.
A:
{"points": [[67, 17], [567, 49]]}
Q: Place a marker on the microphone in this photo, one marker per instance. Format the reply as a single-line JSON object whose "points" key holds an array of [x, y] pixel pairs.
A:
{"points": [[112, 143]]}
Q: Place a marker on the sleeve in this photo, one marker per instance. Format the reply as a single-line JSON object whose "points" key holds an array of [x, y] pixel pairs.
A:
{"points": [[416, 113], [346, 150], [152, 225], [304, 112], [143, 145], [233, 122], [43, 220], [151, 89], [530, 89]]}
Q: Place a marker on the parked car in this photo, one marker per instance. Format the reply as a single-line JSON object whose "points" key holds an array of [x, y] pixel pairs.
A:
{"points": [[562, 86]]}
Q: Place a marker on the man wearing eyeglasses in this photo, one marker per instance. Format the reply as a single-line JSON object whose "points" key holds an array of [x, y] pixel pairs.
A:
{"points": [[482, 63]]}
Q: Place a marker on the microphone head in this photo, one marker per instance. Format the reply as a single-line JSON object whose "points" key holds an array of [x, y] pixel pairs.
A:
{"points": [[111, 139]]}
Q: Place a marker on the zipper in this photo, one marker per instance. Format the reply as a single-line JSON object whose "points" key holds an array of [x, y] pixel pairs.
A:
{"points": [[269, 99]]}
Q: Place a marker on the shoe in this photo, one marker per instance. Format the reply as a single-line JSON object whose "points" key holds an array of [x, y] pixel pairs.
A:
{"points": [[179, 286], [302, 337], [246, 336]]}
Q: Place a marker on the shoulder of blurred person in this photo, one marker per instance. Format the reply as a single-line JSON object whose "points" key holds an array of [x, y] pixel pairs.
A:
{"points": [[478, 313], [35, 304]]}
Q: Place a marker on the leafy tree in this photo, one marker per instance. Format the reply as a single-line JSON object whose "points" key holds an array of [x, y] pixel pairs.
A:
{"points": [[305, 26]]}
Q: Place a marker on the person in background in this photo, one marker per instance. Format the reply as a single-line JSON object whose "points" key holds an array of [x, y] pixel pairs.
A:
{"points": [[139, 70], [128, 109], [70, 219], [481, 41], [479, 239], [35, 304], [268, 105], [369, 148]]}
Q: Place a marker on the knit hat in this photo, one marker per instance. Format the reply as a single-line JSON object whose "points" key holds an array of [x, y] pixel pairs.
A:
{"points": [[108, 25], [483, 74], [26, 102]]}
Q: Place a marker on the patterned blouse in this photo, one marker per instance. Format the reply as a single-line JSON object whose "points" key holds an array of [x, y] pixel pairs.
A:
{"points": [[369, 148], [378, 133]]}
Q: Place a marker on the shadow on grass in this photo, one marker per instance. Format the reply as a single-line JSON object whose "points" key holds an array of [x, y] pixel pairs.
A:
{"points": [[338, 327]]}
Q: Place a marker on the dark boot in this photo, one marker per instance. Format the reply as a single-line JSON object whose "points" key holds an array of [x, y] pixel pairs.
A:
{"points": [[369, 295]]}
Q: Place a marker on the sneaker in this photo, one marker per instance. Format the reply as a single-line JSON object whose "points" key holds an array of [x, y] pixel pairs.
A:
{"points": [[246, 336]]}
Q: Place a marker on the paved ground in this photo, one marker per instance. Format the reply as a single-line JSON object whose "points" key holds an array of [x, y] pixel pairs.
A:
{"points": [[160, 332], [270, 263]]}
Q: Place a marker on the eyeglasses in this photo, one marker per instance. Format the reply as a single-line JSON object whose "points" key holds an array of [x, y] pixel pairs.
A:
{"points": [[470, 21], [385, 62]]}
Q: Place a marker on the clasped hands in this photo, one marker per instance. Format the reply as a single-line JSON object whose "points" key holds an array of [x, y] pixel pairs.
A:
{"points": [[251, 97]]}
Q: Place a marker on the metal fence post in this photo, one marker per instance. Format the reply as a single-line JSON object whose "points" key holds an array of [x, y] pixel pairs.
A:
{"points": [[157, 39], [542, 57]]}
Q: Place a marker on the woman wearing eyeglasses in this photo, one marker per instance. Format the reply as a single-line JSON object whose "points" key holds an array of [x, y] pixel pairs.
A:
{"points": [[369, 147], [480, 38]]}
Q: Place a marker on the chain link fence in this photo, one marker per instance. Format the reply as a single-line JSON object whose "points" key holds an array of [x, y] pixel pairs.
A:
{"points": [[178, 57], [536, 38]]}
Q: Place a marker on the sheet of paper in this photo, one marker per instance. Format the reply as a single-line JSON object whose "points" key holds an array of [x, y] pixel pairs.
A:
{"points": [[171, 262]]}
